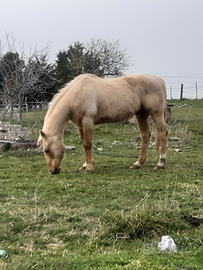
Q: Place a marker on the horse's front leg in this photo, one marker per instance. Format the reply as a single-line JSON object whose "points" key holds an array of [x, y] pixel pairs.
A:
{"points": [[86, 133], [142, 121]]}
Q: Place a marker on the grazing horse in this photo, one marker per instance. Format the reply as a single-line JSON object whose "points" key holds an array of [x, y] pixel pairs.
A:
{"points": [[89, 100]]}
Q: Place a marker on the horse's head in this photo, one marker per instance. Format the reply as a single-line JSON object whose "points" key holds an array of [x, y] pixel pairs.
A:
{"points": [[53, 149]]}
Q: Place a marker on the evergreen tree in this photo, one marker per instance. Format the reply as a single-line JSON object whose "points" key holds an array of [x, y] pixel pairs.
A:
{"points": [[75, 61]]}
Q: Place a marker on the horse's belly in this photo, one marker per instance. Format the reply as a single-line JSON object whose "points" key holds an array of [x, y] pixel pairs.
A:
{"points": [[116, 109], [113, 118]]}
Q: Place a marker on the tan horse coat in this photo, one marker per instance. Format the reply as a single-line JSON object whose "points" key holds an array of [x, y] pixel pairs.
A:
{"points": [[89, 100]]}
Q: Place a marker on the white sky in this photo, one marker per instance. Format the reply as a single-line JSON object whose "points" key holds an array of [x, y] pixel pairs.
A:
{"points": [[162, 37]]}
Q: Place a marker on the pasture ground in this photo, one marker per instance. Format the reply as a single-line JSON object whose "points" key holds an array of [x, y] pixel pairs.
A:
{"points": [[113, 218]]}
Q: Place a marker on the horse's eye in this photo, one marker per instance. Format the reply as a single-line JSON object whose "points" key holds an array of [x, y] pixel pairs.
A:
{"points": [[46, 151]]}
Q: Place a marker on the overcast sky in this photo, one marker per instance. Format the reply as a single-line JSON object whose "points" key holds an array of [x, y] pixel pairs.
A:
{"points": [[162, 37]]}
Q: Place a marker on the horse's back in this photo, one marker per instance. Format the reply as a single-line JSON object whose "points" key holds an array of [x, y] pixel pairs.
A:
{"points": [[112, 99], [142, 84]]}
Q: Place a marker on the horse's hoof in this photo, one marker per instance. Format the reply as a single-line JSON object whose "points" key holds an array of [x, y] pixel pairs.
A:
{"points": [[84, 166], [158, 167], [136, 165]]}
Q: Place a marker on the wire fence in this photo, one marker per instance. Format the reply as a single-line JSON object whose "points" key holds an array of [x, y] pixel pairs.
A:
{"points": [[190, 85], [187, 92]]}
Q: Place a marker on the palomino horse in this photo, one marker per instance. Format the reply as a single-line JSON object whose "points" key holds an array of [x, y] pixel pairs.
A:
{"points": [[89, 100]]}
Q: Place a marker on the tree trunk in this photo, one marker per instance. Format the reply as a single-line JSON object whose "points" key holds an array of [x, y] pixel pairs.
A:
{"points": [[20, 109]]}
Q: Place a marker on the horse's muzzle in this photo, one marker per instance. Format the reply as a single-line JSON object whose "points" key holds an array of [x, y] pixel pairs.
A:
{"points": [[55, 171]]}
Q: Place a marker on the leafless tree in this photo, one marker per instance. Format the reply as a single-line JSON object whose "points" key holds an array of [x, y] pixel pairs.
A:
{"points": [[23, 76], [113, 61]]}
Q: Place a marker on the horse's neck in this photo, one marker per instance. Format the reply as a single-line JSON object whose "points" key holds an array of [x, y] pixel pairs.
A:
{"points": [[57, 114], [54, 124]]}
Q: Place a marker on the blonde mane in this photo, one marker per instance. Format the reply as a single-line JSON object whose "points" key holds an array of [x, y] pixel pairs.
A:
{"points": [[63, 91], [57, 98]]}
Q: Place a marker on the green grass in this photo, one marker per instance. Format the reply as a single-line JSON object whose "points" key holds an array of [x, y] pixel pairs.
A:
{"points": [[113, 218]]}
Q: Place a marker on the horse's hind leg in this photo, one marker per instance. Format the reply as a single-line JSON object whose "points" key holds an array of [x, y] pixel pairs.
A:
{"points": [[142, 121], [161, 139], [86, 133]]}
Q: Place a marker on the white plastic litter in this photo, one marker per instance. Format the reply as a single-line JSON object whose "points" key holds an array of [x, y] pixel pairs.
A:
{"points": [[167, 243]]}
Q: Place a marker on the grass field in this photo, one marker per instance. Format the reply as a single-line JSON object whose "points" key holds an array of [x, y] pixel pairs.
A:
{"points": [[113, 218]]}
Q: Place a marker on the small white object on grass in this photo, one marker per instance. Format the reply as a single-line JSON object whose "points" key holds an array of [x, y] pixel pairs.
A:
{"points": [[167, 243]]}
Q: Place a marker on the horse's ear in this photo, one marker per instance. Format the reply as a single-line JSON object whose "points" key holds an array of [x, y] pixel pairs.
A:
{"points": [[43, 134]]}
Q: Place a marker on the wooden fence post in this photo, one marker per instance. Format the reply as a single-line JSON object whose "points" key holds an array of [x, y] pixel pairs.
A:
{"points": [[181, 92], [171, 92]]}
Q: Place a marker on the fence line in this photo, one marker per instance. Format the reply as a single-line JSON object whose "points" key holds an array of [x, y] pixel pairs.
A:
{"points": [[181, 92], [30, 106]]}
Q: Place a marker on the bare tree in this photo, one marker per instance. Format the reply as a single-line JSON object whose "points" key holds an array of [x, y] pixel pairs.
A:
{"points": [[36, 78], [9, 68], [23, 76], [113, 61]]}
